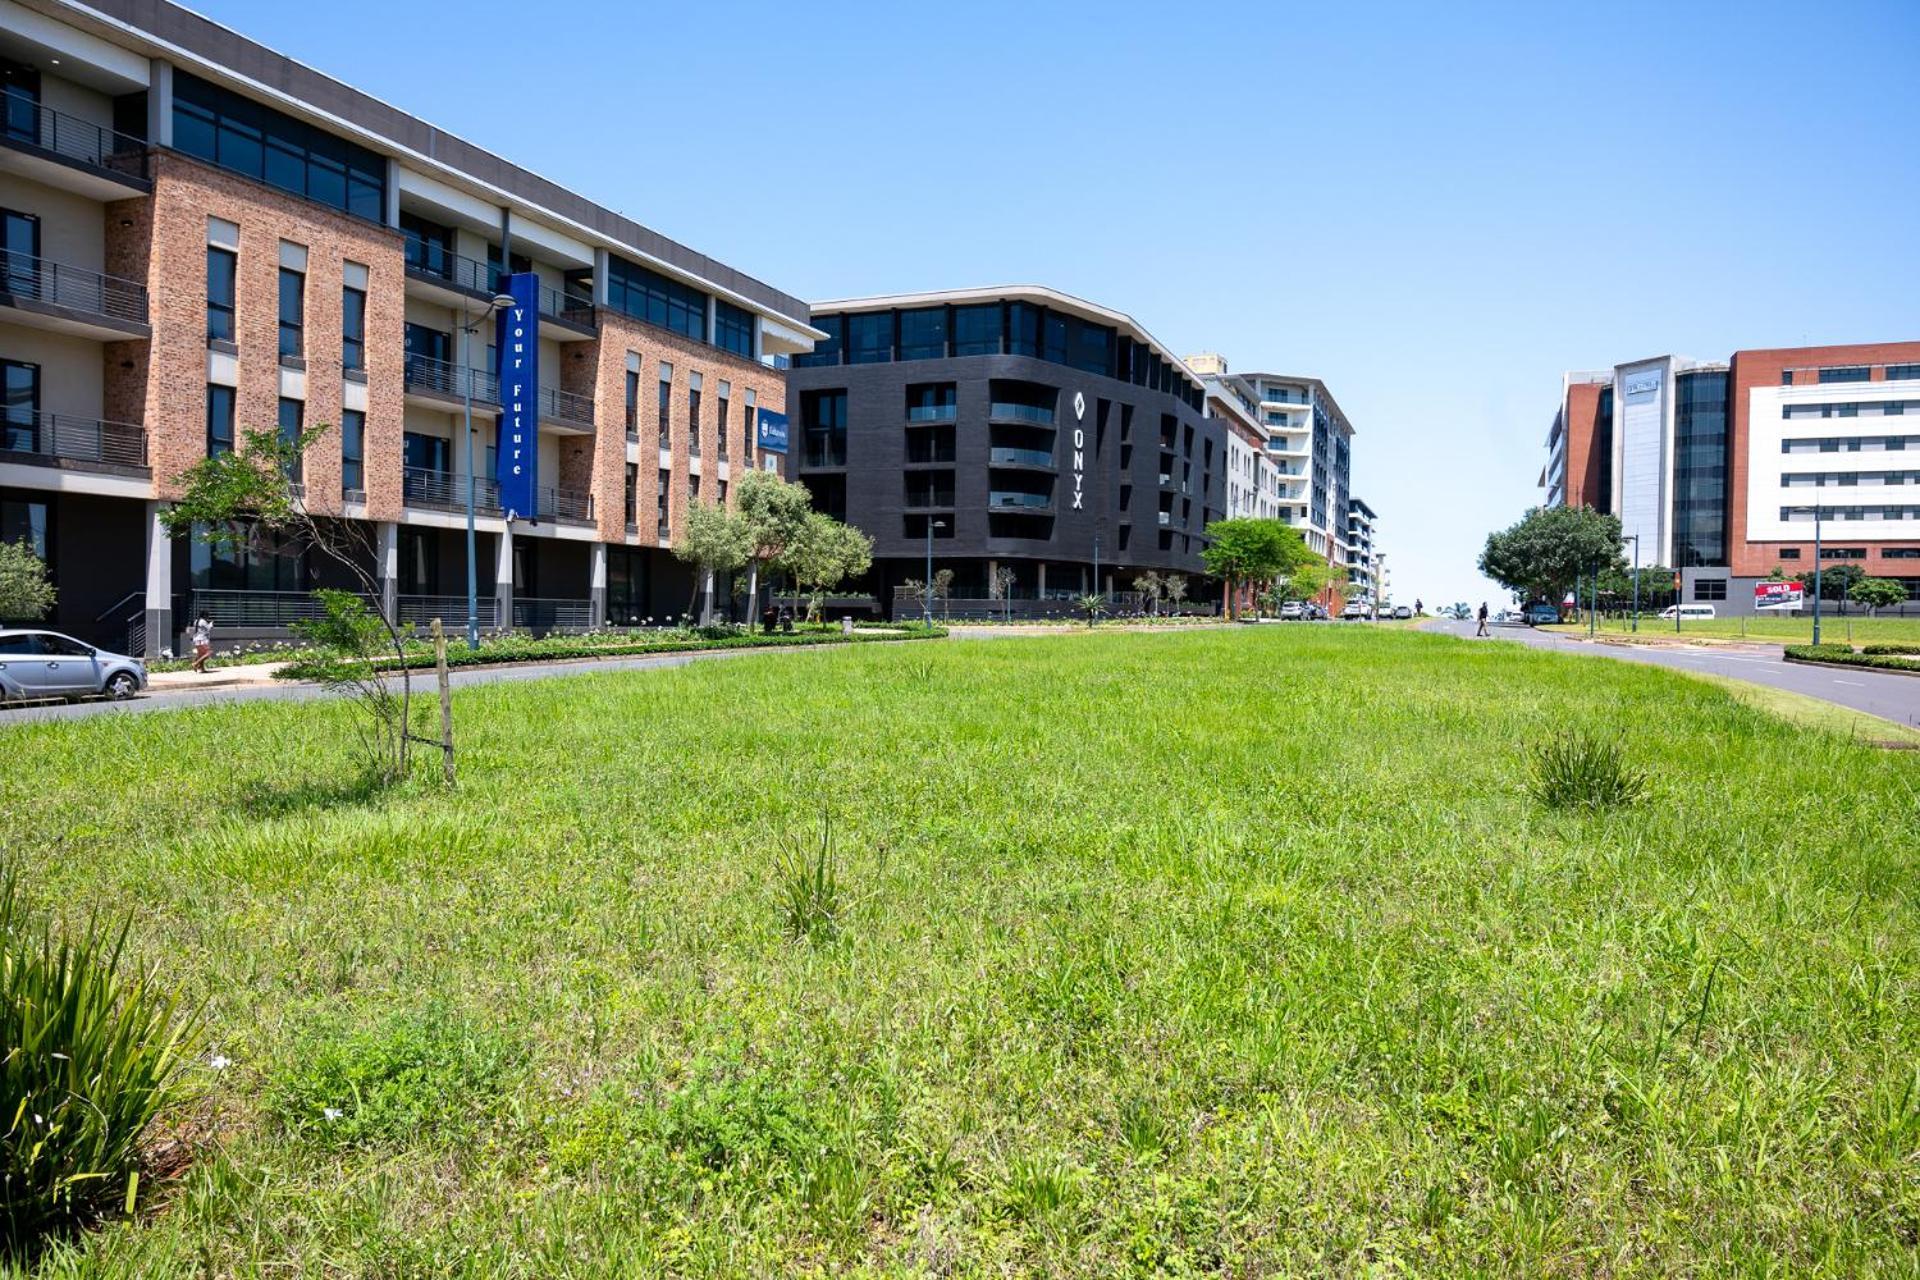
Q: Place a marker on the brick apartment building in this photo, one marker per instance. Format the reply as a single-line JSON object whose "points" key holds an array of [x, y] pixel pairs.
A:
{"points": [[202, 237], [1719, 468]]}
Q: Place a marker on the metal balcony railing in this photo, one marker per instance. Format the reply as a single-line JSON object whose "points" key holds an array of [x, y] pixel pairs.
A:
{"points": [[28, 124], [427, 260], [258, 608], [442, 377], [447, 491], [1020, 457], [539, 613], [71, 439], [566, 406], [23, 279], [1000, 498], [933, 413], [421, 610], [1022, 413]]}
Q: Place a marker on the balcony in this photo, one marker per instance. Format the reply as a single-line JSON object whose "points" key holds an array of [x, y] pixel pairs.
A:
{"points": [[447, 491], [454, 278], [1006, 457], [65, 151], [1006, 500], [447, 381], [1166, 518], [933, 413], [74, 300], [1033, 413], [565, 408], [60, 439]]}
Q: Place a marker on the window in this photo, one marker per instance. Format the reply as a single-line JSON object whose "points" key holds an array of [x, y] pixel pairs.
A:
{"points": [[666, 406], [1709, 588], [353, 328], [1090, 347], [665, 491], [720, 423], [422, 452], [650, 296], [1023, 329], [823, 419], [240, 135], [923, 334], [732, 328], [1053, 338], [1789, 553], [633, 403], [693, 417], [1902, 372], [1900, 553], [1786, 377], [1843, 553], [264, 562], [222, 267], [976, 330], [932, 402], [633, 493], [693, 488], [722, 486], [870, 338], [219, 419], [293, 306], [353, 451], [291, 411], [1845, 373], [428, 246], [25, 522], [20, 405], [826, 351]]}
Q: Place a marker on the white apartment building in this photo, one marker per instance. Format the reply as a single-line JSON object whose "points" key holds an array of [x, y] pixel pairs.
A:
{"points": [[1311, 442], [1363, 557], [1253, 476]]}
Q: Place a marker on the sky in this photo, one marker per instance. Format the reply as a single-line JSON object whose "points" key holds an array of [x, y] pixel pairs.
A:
{"points": [[1436, 209]]}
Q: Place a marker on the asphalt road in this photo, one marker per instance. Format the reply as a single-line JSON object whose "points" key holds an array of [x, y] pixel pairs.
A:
{"points": [[1891, 697], [275, 691]]}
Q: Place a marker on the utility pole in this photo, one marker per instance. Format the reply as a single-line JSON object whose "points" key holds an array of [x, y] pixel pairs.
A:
{"points": [[1636, 581], [1816, 573]]}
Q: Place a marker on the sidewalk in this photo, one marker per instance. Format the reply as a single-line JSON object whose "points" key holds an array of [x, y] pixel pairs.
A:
{"points": [[215, 677]]}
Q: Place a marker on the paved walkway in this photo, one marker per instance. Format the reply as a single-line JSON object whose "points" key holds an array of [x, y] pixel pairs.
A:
{"points": [[1891, 697]]}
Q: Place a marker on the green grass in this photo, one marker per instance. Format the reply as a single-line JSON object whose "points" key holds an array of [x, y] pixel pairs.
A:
{"points": [[1771, 629], [1233, 952]]}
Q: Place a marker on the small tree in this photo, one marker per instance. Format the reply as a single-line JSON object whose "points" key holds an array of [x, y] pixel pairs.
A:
{"points": [[1150, 585], [713, 540], [1248, 549], [1093, 604], [1877, 593], [773, 511], [25, 592], [824, 554], [1175, 587], [1550, 549], [1000, 586], [239, 498], [943, 591]]}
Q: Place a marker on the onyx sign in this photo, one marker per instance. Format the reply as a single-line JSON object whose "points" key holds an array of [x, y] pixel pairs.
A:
{"points": [[517, 445], [1079, 450]]}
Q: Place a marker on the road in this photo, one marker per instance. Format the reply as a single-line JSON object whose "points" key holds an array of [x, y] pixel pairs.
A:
{"points": [[1891, 697], [273, 691]]}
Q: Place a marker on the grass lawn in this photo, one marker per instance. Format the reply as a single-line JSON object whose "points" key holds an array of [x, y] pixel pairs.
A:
{"points": [[1773, 628], [1238, 952]]}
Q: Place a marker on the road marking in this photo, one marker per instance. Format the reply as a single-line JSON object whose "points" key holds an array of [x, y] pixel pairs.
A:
{"points": [[1855, 683]]}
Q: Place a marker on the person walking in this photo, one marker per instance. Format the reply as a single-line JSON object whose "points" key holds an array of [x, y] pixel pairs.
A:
{"points": [[1483, 619], [202, 642]]}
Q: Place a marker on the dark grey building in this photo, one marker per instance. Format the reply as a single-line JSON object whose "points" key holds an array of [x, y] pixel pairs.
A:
{"points": [[1029, 432]]}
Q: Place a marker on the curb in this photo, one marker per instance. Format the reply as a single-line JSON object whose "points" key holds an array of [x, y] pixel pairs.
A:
{"points": [[1853, 666]]}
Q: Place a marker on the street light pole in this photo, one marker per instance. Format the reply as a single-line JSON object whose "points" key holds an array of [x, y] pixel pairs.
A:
{"points": [[1096, 565], [467, 327], [1636, 580], [1816, 573]]}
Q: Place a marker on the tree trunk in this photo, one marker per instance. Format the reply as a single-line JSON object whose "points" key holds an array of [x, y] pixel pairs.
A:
{"points": [[446, 700]]}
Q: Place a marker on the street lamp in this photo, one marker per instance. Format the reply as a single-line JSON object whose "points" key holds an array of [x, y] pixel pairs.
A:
{"points": [[1636, 580], [1096, 566], [468, 326], [1816, 573], [926, 588]]}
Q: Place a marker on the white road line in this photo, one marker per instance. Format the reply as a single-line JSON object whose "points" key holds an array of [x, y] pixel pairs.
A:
{"points": [[1855, 683]]}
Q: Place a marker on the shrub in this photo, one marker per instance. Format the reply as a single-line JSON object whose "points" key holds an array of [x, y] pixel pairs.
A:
{"points": [[811, 900], [1892, 650], [90, 1054], [1874, 658], [1583, 771]]}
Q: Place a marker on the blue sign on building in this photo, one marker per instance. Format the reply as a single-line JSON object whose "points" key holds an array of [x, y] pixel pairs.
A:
{"points": [[773, 431], [517, 446]]}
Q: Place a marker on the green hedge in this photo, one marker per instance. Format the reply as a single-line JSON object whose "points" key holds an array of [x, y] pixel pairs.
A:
{"points": [[1890, 649], [511, 649], [1843, 655]]}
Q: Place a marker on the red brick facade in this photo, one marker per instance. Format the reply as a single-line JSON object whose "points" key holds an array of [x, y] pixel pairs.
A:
{"points": [[1586, 461]]}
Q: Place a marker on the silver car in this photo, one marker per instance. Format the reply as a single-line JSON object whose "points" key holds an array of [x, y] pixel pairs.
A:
{"points": [[45, 664]]}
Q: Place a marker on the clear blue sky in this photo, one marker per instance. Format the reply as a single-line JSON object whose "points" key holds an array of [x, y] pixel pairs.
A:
{"points": [[1436, 208]]}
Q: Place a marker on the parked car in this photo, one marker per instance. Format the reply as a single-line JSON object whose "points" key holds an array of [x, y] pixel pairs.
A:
{"points": [[1293, 611], [1356, 611], [46, 664], [1541, 614], [1403, 611], [1687, 612]]}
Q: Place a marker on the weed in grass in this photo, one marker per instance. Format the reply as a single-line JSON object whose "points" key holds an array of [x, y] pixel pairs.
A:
{"points": [[1585, 771], [1042, 1191], [811, 897], [1143, 1128], [91, 1053]]}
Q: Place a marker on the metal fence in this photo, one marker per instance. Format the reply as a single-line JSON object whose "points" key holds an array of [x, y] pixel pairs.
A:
{"points": [[28, 123], [451, 610], [442, 377], [536, 613], [71, 439], [24, 278]]}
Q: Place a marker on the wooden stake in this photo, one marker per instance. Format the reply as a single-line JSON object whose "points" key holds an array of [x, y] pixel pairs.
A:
{"points": [[446, 700]]}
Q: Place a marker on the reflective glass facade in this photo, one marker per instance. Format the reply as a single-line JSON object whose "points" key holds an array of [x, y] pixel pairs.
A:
{"points": [[1700, 469], [236, 133]]}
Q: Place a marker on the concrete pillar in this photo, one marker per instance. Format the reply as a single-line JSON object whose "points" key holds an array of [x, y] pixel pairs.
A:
{"points": [[597, 587], [388, 569], [160, 103], [391, 214], [159, 583], [503, 576], [602, 261], [1040, 582]]}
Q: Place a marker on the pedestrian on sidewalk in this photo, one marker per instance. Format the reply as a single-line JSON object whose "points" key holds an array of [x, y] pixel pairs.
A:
{"points": [[1483, 619], [202, 642]]}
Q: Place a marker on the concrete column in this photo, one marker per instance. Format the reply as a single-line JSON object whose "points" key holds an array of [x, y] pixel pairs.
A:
{"points": [[388, 570], [602, 261], [160, 103], [706, 597], [159, 583], [503, 576], [1040, 584], [597, 587], [391, 214]]}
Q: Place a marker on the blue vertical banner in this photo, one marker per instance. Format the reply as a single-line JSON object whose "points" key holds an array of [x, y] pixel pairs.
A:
{"points": [[517, 349]]}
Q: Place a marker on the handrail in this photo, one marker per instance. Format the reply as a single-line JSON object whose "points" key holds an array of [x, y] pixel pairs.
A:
{"points": [[61, 435], [429, 260], [446, 378], [79, 288], [25, 122], [115, 607]]}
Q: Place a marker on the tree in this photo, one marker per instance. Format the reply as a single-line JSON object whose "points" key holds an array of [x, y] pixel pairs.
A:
{"points": [[1175, 587], [25, 592], [1093, 604], [1836, 580], [1248, 549], [774, 510], [243, 497], [1308, 579], [713, 540], [943, 591], [1550, 549], [1000, 587], [824, 554], [1150, 585], [1877, 593]]}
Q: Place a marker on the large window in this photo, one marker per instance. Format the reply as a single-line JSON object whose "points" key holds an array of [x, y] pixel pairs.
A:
{"points": [[1700, 469], [1845, 373], [264, 562], [353, 451], [422, 452], [732, 328], [291, 412], [219, 419], [666, 406], [823, 417], [428, 245], [870, 337], [293, 311], [923, 334], [353, 328], [976, 330], [25, 521], [241, 135], [222, 267], [20, 406], [693, 420], [826, 351], [633, 402], [650, 296], [1023, 329], [1090, 347]]}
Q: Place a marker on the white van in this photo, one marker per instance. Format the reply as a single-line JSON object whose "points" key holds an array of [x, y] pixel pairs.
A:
{"points": [[1688, 612]]}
